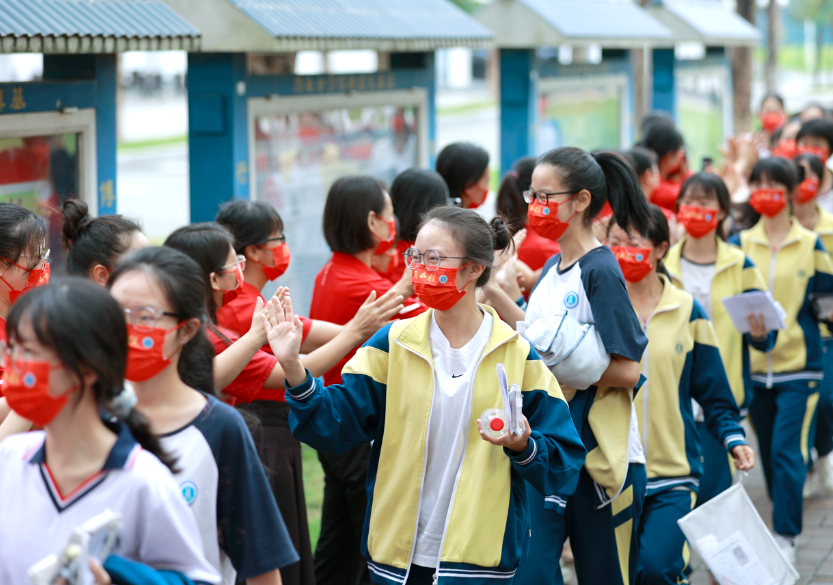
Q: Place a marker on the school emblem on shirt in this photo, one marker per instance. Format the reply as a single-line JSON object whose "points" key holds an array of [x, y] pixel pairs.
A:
{"points": [[801, 273], [679, 347], [189, 492], [571, 300]]}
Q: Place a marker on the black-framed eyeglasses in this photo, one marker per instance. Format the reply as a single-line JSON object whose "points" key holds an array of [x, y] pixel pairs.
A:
{"points": [[280, 239], [145, 318], [430, 259], [541, 197]]}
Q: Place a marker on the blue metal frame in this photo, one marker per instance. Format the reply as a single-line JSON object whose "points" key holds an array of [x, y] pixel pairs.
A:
{"points": [[520, 72], [76, 81], [218, 122]]}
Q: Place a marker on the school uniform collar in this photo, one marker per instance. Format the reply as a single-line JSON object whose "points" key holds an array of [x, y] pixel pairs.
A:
{"points": [[249, 290], [824, 227], [415, 335], [757, 234], [727, 256], [350, 261], [119, 457], [672, 297]]}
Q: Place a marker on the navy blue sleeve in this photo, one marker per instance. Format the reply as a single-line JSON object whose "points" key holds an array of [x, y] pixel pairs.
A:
{"points": [[735, 239], [616, 321], [548, 265], [251, 529]]}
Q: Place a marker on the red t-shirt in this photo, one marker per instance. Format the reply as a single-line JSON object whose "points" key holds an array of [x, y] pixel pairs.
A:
{"points": [[237, 315], [665, 195], [536, 250], [248, 385], [340, 289], [5, 339]]}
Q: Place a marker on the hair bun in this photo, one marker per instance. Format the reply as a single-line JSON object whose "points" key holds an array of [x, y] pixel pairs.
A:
{"points": [[76, 220], [501, 235]]}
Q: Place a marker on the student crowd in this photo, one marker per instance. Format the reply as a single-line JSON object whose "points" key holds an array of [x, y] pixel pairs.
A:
{"points": [[158, 382]]}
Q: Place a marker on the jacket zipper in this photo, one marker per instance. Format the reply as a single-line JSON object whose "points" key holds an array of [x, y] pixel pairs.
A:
{"points": [[771, 289], [457, 477]]}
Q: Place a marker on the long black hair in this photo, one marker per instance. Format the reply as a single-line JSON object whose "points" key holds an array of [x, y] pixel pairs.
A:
{"points": [[181, 279], [477, 239], [94, 240], [413, 193], [815, 165], [250, 222], [662, 138], [20, 230], [461, 165], [349, 202], [85, 326], [608, 177], [510, 196], [777, 169]]}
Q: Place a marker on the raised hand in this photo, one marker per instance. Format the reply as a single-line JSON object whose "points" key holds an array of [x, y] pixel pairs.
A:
{"points": [[375, 313], [257, 328], [284, 330]]}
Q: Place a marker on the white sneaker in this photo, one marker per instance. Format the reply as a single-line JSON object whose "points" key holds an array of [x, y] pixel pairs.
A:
{"points": [[787, 546], [824, 471]]}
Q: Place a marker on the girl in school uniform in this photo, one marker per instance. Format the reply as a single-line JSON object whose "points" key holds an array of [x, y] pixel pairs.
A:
{"points": [[793, 261], [358, 217], [64, 367], [447, 502], [23, 266], [709, 269], [682, 362], [465, 168], [809, 172], [816, 137], [169, 363], [96, 244], [413, 193], [254, 376], [600, 512], [667, 142]]}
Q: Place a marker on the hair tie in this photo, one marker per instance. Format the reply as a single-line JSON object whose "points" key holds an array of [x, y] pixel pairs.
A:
{"points": [[514, 174], [122, 404]]}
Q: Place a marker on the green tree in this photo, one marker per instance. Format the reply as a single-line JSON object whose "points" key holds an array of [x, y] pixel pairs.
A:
{"points": [[470, 6]]}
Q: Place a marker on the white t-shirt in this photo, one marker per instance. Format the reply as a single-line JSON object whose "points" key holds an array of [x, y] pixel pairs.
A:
{"points": [[36, 519], [454, 371], [697, 281]]}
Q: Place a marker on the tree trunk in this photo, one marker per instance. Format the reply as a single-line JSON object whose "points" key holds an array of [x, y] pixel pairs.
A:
{"points": [[772, 41], [742, 74], [640, 89]]}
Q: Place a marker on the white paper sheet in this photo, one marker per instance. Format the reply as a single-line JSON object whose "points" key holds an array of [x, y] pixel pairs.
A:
{"points": [[733, 562], [758, 303]]}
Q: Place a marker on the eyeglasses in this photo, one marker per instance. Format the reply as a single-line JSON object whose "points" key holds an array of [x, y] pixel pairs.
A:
{"points": [[541, 197], [14, 358], [239, 261], [281, 239], [145, 318], [431, 259], [42, 257]]}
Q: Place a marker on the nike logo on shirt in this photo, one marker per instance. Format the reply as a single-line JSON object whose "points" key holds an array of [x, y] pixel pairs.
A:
{"points": [[457, 376]]}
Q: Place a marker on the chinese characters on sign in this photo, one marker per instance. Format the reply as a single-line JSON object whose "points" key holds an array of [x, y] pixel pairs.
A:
{"points": [[343, 83], [17, 103]]}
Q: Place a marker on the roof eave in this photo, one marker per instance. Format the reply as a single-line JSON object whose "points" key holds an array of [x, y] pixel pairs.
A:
{"points": [[683, 31], [74, 44]]}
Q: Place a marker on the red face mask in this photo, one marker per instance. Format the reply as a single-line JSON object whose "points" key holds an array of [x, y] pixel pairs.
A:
{"points": [[633, 262], [437, 289], [768, 202], [544, 219], [771, 121], [806, 190], [280, 255], [385, 245], [146, 352], [37, 277], [232, 294], [786, 149], [818, 151], [26, 387], [678, 157], [697, 221], [475, 204]]}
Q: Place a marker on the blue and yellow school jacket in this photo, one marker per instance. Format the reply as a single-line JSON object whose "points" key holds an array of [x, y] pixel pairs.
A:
{"points": [[386, 398], [795, 269], [682, 362], [734, 274], [824, 228]]}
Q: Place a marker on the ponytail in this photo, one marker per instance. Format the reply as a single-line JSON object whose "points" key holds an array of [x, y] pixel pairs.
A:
{"points": [[90, 340], [624, 192], [608, 177]]}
